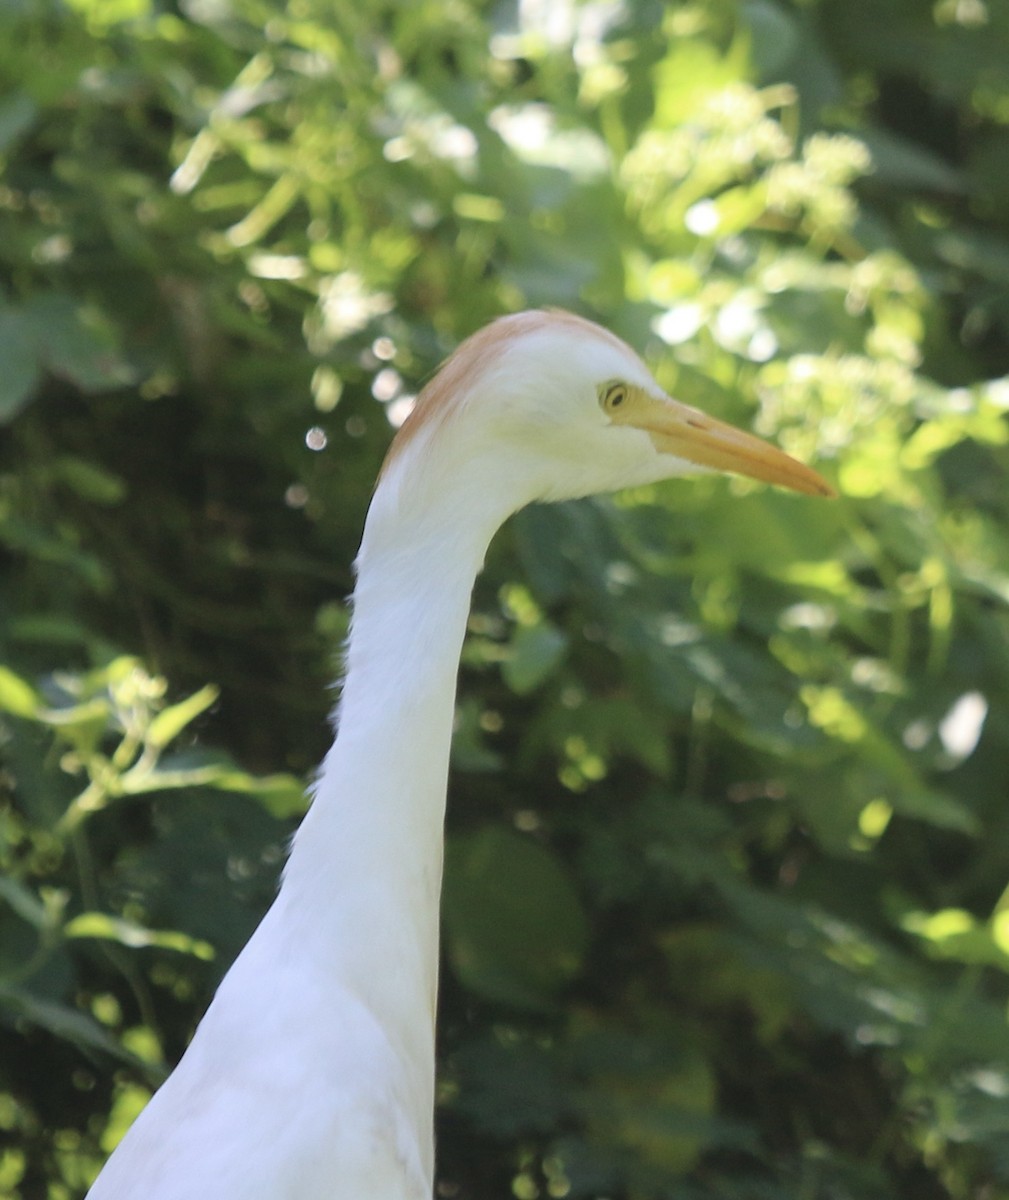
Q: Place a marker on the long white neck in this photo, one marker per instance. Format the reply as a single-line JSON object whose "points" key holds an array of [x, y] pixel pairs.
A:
{"points": [[366, 863]]}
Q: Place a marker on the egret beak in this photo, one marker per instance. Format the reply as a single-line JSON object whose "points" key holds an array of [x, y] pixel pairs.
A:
{"points": [[692, 435]]}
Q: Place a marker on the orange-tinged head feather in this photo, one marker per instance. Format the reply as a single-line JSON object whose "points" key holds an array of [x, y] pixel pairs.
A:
{"points": [[461, 371]]}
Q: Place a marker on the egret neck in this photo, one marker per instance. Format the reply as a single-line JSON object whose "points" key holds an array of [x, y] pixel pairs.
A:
{"points": [[368, 857]]}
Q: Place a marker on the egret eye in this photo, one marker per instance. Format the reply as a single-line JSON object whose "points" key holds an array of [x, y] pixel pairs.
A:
{"points": [[613, 396]]}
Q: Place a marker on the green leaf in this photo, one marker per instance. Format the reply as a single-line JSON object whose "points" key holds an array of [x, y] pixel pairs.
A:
{"points": [[651, 1094], [53, 331], [283, 796], [76, 343], [935, 807], [774, 36], [129, 933], [19, 356], [902, 162], [516, 929], [534, 654], [17, 696], [170, 722], [17, 112], [24, 902], [89, 480], [82, 725], [64, 1022], [954, 933]]}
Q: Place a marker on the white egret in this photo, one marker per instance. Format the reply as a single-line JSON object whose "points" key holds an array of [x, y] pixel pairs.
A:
{"points": [[311, 1076]]}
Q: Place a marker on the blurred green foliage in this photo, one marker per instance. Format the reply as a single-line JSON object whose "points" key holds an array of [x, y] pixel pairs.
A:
{"points": [[725, 908]]}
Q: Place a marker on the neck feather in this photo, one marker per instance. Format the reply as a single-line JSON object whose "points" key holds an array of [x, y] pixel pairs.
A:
{"points": [[363, 882]]}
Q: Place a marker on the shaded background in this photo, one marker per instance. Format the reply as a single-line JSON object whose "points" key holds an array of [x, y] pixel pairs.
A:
{"points": [[725, 908]]}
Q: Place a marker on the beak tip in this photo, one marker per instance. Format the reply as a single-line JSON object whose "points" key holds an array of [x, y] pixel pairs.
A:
{"points": [[818, 486], [827, 490]]}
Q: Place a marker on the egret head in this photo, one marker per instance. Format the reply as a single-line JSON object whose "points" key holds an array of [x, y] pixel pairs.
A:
{"points": [[552, 406]]}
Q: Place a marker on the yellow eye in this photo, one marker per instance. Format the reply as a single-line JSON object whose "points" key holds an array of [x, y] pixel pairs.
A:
{"points": [[613, 396]]}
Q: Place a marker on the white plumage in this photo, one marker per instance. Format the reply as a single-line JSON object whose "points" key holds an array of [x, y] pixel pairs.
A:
{"points": [[311, 1076]]}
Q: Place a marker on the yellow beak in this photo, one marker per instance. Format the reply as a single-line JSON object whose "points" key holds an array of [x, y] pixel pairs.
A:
{"points": [[692, 435]]}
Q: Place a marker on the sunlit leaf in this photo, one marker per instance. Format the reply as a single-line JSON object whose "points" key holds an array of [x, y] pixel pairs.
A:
{"points": [[170, 722], [129, 933], [16, 695]]}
